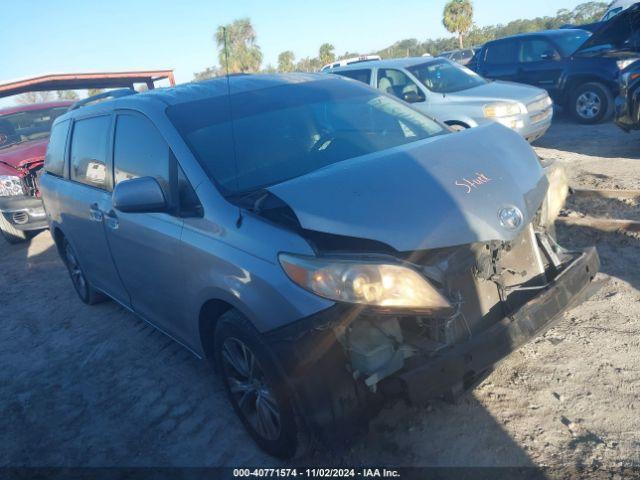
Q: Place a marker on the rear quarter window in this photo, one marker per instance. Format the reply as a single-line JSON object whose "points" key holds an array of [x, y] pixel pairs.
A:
{"points": [[55, 159], [89, 151], [363, 76]]}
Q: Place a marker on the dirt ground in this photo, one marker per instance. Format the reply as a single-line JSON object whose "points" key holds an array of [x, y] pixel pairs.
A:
{"points": [[95, 386]]}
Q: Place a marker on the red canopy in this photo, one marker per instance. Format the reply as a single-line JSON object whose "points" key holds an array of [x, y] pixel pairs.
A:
{"points": [[73, 81]]}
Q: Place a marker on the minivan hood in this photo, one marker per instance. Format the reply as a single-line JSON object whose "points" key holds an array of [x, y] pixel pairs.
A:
{"points": [[440, 192], [616, 31], [499, 90]]}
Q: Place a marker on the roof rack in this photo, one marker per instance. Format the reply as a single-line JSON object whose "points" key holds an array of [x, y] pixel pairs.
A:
{"points": [[121, 92]]}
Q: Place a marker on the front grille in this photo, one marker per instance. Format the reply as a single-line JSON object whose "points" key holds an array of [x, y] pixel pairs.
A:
{"points": [[481, 280], [538, 117], [538, 104]]}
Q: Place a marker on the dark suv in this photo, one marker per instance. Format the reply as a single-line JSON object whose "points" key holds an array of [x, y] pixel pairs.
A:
{"points": [[579, 70]]}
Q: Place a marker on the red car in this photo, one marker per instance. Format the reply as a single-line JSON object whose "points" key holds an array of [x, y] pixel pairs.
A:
{"points": [[24, 135]]}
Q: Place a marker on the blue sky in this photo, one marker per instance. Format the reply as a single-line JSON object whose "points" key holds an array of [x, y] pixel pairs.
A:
{"points": [[73, 36]]}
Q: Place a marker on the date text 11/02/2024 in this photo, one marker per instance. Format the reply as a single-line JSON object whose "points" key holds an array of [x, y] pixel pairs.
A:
{"points": [[316, 473]]}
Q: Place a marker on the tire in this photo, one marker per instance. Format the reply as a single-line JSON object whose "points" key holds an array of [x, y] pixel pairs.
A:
{"points": [[10, 233], [591, 103], [83, 288], [255, 387]]}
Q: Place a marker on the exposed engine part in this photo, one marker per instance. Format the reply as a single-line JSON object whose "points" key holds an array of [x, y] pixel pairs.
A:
{"points": [[485, 282], [376, 349], [31, 183]]}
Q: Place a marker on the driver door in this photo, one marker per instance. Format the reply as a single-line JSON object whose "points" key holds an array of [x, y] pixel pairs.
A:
{"points": [[146, 247]]}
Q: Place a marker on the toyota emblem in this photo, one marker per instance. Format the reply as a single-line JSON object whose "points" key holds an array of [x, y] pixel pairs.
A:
{"points": [[510, 217]]}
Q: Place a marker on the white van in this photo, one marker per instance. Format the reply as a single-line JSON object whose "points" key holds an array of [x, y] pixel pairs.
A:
{"points": [[348, 61], [616, 7]]}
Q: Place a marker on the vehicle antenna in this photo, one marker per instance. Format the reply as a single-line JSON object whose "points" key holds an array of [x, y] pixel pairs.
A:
{"points": [[233, 131]]}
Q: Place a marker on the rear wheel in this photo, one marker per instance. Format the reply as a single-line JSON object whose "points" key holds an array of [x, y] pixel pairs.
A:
{"points": [[256, 389], [591, 103], [83, 288], [10, 233]]}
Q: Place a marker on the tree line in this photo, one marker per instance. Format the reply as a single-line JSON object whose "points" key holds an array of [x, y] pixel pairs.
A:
{"points": [[239, 52]]}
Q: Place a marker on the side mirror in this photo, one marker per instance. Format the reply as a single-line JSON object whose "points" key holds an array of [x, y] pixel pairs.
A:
{"points": [[139, 195], [412, 97]]}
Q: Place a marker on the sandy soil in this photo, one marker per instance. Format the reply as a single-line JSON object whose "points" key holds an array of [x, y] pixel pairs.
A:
{"points": [[95, 386]]}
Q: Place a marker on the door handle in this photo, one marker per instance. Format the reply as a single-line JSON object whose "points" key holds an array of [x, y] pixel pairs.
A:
{"points": [[111, 220], [95, 214]]}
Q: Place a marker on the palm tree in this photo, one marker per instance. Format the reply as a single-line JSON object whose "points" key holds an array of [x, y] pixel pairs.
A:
{"points": [[286, 61], [458, 18], [241, 54], [326, 55]]}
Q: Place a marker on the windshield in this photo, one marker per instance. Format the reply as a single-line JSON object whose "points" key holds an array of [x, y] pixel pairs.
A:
{"points": [[27, 125], [570, 42], [287, 131], [446, 77]]}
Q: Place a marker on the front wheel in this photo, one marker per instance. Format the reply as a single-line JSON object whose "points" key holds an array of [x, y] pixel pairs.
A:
{"points": [[85, 291], [591, 103], [256, 389]]}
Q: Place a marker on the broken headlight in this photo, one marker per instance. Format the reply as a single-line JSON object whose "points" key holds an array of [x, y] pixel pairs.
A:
{"points": [[363, 282], [10, 185], [622, 64]]}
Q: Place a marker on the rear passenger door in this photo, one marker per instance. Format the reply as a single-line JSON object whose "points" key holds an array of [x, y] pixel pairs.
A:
{"points": [[500, 60], [85, 197], [146, 246]]}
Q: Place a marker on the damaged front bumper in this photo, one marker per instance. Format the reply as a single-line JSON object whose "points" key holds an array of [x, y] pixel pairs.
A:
{"points": [[460, 365], [24, 213], [334, 401]]}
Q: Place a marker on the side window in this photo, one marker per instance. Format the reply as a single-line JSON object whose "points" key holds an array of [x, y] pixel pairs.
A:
{"points": [[55, 159], [89, 151], [139, 151], [398, 84], [363, 76], [536, 50], [501, 53]]}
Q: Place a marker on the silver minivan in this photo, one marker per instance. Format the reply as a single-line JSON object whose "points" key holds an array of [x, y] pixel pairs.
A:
{"points": [[456, 95], [330, 247]]}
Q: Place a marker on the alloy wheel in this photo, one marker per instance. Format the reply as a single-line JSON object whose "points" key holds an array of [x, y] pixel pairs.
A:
{"points": [[249, 388], [588, 105], [77, 277]]}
